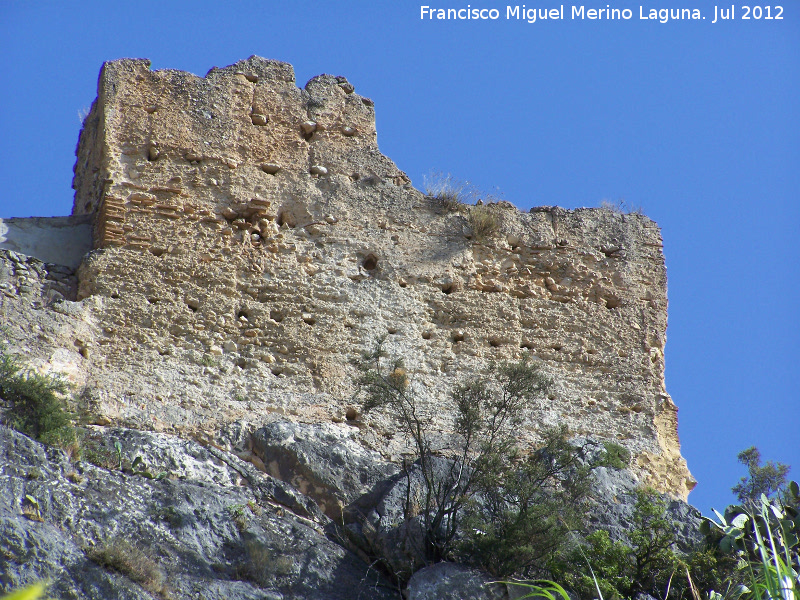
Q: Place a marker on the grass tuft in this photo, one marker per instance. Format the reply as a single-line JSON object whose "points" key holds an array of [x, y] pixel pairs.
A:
{"points": [[621, 207], [483, 222], [449, 192]]}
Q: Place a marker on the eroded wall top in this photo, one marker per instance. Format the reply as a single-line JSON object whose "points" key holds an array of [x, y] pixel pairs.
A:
{"points": [[248, 123]]}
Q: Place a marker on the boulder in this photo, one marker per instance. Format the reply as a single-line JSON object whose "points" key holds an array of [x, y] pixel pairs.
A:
{"points": [[324, 461], [451, 581]]}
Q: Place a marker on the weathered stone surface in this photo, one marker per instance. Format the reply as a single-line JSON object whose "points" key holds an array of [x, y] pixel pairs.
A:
{"points": [[614, 496], [62, 240], [323, 461], [450, 581], [43, 284], [388, 522], [250, 240], [210, 530]]}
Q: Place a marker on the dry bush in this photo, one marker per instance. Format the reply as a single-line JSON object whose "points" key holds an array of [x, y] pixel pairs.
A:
{"points": [[125, 558], [449, 192], [483, 222], [621, 207], [263, 564]]}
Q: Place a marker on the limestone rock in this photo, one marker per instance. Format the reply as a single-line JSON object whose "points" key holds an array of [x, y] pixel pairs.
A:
{"points": [[235, 243], [240, 246], [324, 461], [210, 538], [450, 581]]}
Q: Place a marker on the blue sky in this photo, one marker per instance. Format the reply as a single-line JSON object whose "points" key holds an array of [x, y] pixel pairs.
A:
{"points": [[697, 123]]}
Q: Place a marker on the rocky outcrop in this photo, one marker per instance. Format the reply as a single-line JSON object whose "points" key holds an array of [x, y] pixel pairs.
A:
{"points": [[211, 527], [449, 581], [146, 514], [324, 461], [38, 282]]}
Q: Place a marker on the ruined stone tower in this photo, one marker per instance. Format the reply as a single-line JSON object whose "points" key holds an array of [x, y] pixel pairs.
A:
{"points": [[250, 239]]}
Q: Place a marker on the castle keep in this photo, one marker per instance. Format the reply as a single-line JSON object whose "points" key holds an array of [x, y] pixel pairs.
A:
{"points": [[250, 240]]}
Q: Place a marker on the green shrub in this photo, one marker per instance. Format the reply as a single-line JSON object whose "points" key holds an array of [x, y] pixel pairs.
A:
{"points": [[95, 451], [238, 513], [262, 564], [709, 570], [609, 568], [34, 403], [652, 541], [528, 505], [648, 565], [768, 479], [512, 508], [615, 456], [765, 539], [169, 514]]}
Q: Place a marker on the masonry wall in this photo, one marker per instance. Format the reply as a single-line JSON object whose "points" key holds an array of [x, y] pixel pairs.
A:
{"points": [[253, 237]]}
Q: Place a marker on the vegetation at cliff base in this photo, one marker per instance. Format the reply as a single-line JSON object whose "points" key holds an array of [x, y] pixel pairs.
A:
{"points": [[517, 512]]}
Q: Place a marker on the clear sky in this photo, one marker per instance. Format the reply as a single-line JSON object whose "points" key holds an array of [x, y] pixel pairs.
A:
{"points": [[696, 122]]}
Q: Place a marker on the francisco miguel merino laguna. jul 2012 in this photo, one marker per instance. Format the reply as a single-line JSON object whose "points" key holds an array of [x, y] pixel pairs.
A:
{"points": [[532, 15]]}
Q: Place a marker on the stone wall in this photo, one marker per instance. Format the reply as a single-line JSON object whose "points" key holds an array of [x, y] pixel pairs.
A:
{"points": [[252, 240], [26, 277], [166, 146]]}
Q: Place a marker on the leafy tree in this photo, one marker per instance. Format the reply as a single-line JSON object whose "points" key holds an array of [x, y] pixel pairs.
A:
{"points": [[517, 507], [609, 569], [652, 539], [649, 565], [615, 456], [526, 506], [764, 538], [768, 479]]}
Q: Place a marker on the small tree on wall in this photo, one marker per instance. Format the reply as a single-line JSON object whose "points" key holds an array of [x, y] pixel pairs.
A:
{"points": [[488, 501]]}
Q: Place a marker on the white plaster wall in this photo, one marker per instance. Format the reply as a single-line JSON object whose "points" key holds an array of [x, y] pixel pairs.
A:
{"points": [[58, 240]]}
